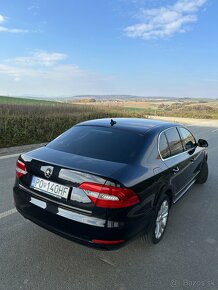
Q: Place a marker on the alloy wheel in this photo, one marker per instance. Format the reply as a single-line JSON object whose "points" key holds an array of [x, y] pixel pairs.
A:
{"points": [[161, 220]]}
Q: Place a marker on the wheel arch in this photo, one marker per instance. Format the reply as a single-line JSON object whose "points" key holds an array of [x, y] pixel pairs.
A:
{"points": [[164, 190]]}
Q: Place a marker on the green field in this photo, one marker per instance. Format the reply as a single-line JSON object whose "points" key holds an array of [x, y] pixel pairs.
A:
{"points": [[29, 121], [190, 108], [22, 101], [183, 111]]}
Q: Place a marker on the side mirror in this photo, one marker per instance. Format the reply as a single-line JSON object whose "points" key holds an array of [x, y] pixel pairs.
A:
{"points": [[202, 143]]}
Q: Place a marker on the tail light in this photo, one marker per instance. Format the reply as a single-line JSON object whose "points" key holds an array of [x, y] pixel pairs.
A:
{"points": [[103, 242], [109, 196], [20, 169]]}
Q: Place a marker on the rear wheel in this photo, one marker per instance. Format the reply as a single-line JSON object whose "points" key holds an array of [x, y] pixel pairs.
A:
{"points": [[203, 175], [160, 220]]}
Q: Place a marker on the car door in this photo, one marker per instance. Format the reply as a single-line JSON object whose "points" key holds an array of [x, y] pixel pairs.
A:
{"points": [[194, 153], [177, 160]]}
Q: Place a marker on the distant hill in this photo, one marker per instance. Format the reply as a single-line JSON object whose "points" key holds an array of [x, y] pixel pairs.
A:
{"points": [[129, 98], [36, 99], [113, 97]]}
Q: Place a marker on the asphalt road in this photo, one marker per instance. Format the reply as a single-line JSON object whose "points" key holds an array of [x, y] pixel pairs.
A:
{"points": [[186, 258]]}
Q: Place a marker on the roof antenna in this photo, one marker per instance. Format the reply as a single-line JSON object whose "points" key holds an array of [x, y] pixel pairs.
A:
{"points": [[113, 122]]}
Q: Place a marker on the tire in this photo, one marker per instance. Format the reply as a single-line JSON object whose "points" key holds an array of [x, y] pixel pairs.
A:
{"points": [[158, 226], [203, 175]]}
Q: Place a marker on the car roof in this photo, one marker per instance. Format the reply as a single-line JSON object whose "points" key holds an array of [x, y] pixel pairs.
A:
{"points": [[139, 125]]}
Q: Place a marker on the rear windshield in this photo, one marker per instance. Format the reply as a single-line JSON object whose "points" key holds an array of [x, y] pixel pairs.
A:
{"points": [[100, 143]]}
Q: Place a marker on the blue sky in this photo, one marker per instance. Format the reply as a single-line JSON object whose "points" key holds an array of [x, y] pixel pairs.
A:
{"points": [[138, 47]]}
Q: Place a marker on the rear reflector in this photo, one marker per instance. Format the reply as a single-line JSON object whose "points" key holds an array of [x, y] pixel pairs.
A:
{"points": [[109, 196], [20, 169], [103, 242]]}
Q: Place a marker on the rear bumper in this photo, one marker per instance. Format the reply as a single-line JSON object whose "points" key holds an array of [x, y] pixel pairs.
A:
{"points": [[76, 226]]}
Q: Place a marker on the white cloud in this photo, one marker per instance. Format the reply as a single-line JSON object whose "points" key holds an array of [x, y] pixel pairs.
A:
{"points": [[56, 72], [164, 22], [43, 68], [189, 6], [48, 77], [17, 79], [39, 58], [34, 6], [2, 18], [16, 72], [10, 30], [41, 65]]}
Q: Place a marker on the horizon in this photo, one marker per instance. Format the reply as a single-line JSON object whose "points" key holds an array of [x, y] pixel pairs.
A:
{"points": [[106, 97], [140, 48]]}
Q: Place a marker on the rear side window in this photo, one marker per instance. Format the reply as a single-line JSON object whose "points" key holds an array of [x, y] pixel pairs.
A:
{"points": [[163, 147], [100, 143], [174, 141], [187, 138]]}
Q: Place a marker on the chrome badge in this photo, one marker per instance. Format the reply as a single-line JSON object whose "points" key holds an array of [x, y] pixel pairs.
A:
{"points": [[48, 172]]}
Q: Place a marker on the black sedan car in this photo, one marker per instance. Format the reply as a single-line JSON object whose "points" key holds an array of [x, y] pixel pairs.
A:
{"points": [[104, 182]]}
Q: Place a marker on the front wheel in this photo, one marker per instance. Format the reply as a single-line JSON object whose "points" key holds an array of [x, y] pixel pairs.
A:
{"points": [[160, 220]]}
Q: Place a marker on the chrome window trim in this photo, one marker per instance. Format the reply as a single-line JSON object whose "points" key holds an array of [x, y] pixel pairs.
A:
{"points": [[179, 126]]}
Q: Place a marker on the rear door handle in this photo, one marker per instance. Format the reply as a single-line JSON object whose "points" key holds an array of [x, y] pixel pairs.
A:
{"points": [[176, 170], [192, 160]]}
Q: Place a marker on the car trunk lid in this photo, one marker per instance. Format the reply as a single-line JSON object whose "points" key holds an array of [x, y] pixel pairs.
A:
{"points": [[68, 170]]}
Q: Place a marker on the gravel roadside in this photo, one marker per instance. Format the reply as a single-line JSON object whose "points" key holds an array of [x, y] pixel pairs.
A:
{"points": [[19, 149]]}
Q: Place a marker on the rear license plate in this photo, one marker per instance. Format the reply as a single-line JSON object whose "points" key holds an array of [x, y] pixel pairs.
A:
{"points": [[49, 187]]}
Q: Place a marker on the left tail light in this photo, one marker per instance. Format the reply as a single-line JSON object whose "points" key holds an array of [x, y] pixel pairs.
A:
{"points": [[20, 169]]}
